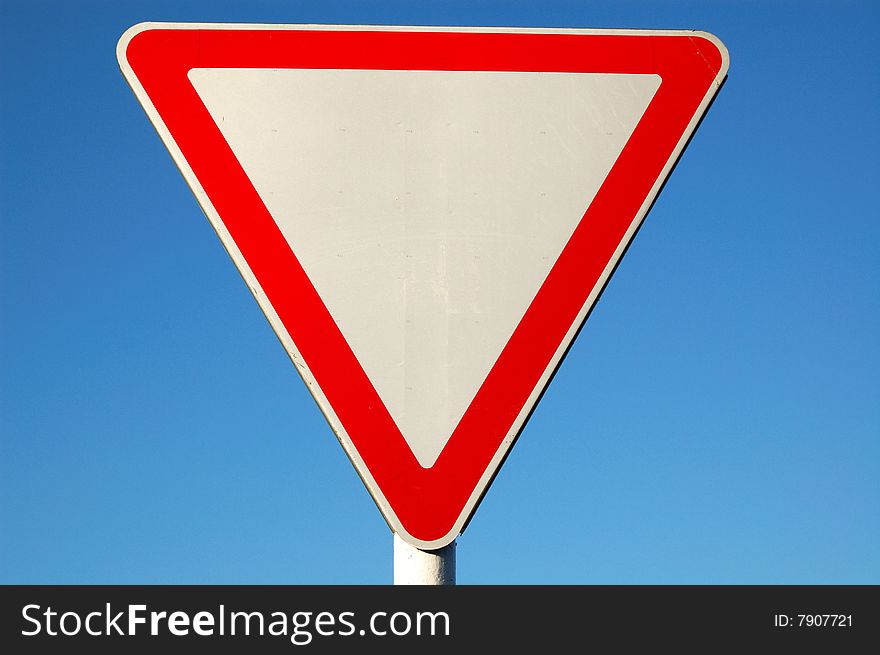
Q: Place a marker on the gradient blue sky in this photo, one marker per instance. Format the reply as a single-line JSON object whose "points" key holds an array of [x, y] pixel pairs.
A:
{"points": [[717, 421]]}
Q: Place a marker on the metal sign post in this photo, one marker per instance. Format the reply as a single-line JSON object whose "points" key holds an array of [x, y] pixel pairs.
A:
{"points": [[420, 567]]}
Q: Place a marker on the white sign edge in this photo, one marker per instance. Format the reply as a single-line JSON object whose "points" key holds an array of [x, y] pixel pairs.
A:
{"points": [[277, 326]]}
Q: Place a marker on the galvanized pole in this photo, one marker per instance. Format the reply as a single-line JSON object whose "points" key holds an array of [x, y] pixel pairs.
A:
{"points": [[423, 567]]}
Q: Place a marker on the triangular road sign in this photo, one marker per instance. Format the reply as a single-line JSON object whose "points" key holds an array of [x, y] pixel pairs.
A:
{"points": [[425, 215]]}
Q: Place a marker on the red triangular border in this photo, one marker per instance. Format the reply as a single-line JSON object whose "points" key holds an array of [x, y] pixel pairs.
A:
{"points": [[428, 506]]}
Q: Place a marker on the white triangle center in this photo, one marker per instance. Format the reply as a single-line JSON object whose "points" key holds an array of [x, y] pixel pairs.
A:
{"points": [[427, 207]]}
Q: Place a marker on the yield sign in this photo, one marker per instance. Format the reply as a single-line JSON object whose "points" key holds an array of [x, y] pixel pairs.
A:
{"points": [[425, 215]]}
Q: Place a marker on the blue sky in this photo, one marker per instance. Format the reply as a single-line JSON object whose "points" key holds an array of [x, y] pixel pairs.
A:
{"points": [[717, 420]]}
